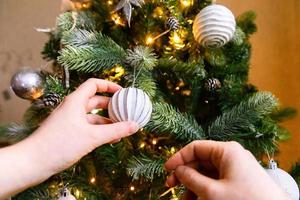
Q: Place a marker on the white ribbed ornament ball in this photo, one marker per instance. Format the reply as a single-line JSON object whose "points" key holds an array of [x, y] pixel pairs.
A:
{"points": [[284, 180], [130, 104], [214, 26]]}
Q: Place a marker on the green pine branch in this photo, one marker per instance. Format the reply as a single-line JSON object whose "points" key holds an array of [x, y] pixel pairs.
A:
{"points": [[184, 70], [89, 59], [55, 85], [13, 132], [88, 51], [141, 57], [246, 22], [69, 20], [242, 117], [283, 114], [52, 47], [167, 119], [145, 167]]}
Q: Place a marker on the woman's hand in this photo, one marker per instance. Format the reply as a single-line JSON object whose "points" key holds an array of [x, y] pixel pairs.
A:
{"points": [[221, 170], [67, 135]]}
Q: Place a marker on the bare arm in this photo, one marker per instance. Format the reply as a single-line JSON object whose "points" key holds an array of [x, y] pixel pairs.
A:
{"points": [[66, 135]]}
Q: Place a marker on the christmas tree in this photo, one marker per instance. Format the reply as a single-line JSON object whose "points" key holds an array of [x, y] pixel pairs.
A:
{"points": [[190, 57]]}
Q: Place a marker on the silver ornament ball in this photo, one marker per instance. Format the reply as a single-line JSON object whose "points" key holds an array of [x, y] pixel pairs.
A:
{"points": [[214, 26], [28, 84], [284, 180], [130, 104]]}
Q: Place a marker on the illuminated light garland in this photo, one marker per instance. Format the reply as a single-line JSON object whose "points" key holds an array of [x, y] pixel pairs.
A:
{"points": [[110, 2], [93, 180], [149, 40], [132, 188], [186, 3], [117, 19]]}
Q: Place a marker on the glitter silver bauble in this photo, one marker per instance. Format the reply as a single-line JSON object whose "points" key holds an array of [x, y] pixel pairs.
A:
{"points": [[130, 104], [28, 84], [284, 180], [214, 26]]}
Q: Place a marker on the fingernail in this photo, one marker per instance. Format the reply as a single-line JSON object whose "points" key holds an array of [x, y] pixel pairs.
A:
{"points": [[166, 184]]}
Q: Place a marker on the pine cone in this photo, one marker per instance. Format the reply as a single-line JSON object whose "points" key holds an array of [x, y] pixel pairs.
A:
{"points": [[172, 23], [212, 84], [51, 99]]}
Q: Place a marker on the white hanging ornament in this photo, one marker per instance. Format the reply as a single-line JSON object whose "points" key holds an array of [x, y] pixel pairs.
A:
{"points": [[214, 26], [66, 195], [284, 180], [130, 104]]}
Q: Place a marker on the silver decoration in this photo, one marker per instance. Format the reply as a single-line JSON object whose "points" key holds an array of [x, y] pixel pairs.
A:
{"points": [[126, 5], [28, 84], [130, 104], [284, 180], [214, 26], [66, 195]]}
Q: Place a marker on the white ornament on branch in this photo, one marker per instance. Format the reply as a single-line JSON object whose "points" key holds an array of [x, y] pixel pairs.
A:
{"points": [[284, 180], [214, 26], [130, 104]]}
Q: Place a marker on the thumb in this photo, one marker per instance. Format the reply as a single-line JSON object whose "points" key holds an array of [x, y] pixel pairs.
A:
{"points": [[109, 132], [199, 184]]}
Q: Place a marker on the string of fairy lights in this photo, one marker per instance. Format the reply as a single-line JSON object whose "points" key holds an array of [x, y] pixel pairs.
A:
{"points": [[177, 41]]}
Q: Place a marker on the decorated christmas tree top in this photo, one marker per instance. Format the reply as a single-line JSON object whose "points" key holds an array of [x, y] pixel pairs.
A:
{"points": [[190, 57]]}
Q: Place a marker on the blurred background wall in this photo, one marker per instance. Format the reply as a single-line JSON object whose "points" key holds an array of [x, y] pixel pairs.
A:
{"points": [[275, 61]]}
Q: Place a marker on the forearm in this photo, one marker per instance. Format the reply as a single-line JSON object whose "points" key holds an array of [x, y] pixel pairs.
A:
{"points": [[21, 167]]}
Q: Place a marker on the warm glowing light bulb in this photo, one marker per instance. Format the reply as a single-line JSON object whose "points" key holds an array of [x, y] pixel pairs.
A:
{"points": [[149, 40], [77, 193], [142, 145], [176, 38], [154, 141], [158, 12], [173, 150], [132, 188], [117, 19], [177, 41], [110, 2], [186, 3], [93, 180]]}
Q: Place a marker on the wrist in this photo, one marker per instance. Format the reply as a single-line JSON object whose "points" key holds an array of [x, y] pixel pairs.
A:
{"points": [[21, 166]]}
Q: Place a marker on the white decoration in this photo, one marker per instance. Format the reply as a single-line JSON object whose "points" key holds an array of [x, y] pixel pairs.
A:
{"points": [[214, 26], [66, 195], [130, 104], [284, 180]]}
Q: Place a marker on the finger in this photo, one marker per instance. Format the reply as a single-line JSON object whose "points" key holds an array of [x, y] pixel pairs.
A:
{"points": [[97, 102], [110, 132], [172, 181], [90, 87], [196, 182], [115, 141], [96, 119], [198, 150]]}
